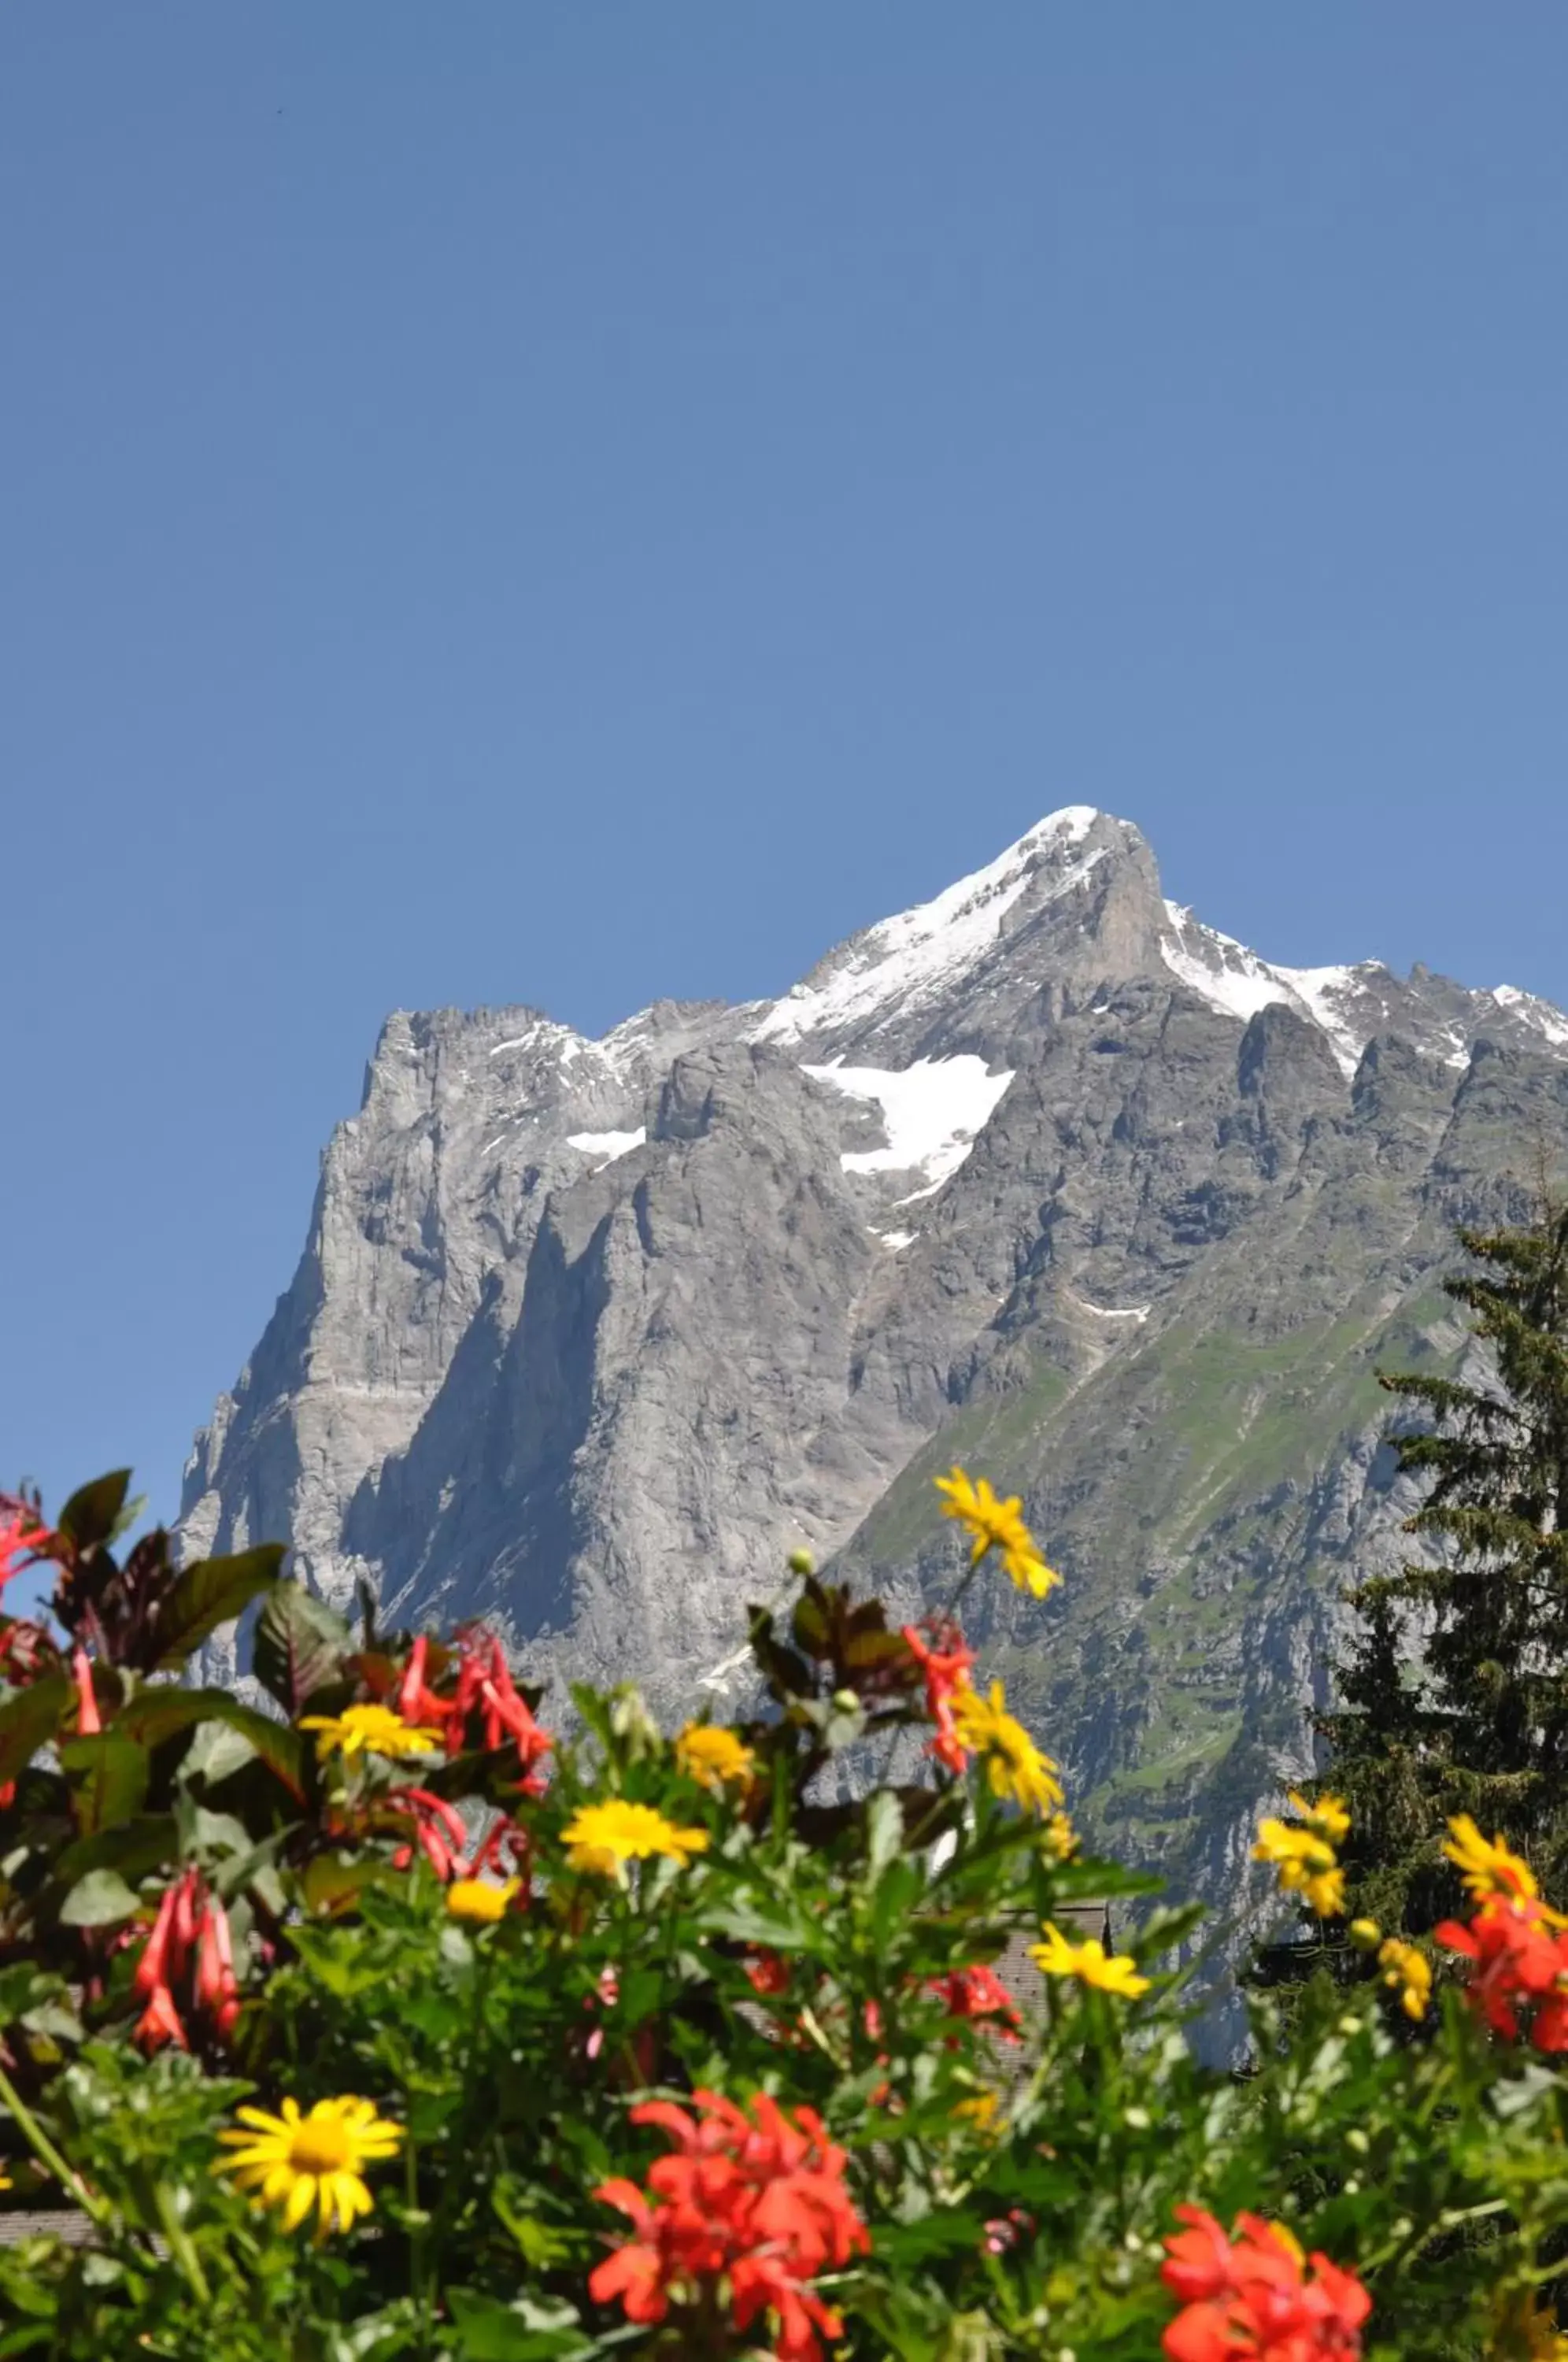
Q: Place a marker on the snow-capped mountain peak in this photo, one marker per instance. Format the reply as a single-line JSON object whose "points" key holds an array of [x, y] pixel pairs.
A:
{"points": [[910, 960]]}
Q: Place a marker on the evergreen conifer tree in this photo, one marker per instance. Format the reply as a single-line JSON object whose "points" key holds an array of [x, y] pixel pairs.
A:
{"points": [[1455, 1699]]}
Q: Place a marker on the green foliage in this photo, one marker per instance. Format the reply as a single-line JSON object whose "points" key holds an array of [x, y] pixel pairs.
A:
{"points": [[1481, 1727], [811, 1918]]}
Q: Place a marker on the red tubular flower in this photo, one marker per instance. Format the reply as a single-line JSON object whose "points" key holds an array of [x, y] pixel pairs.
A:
{"points": [[417, 1703], [1520, 1960], [189, 1922], [161, 1965], [980, 1993], [89, 1721], [151, 1969], [186, 1897], [947, 1664], [438, 1831], [504, 1848], [758, 2199], [24, 1538], [217, 1988], [160, 2022], [485, 1686], [433, 1845], [1254, 2295]]}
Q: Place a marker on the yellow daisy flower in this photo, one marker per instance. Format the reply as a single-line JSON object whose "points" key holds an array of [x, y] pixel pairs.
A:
{"points": [[1328, 1818], [1542, 2340], [1061, 1837], [1014, 1765], [1111, 1972], [602, 1836], [1408, 1973], [1494, 1869], [476, 1898], [373, 1729], [316, 2160], [981, 2109], [999, 1526], [711, 1755], [1306, 1864]]}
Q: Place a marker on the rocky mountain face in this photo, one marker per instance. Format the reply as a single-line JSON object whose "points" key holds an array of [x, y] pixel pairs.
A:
{"points": [[1044, 1175]]}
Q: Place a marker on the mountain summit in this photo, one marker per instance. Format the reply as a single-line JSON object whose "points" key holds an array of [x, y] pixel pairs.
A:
{"points": [[1044, 1175]]}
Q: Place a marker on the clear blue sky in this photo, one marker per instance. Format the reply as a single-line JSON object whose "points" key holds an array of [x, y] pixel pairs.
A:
{"points": [[565, 503]]}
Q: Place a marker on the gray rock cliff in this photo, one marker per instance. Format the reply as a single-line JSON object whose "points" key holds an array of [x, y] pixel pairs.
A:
{"points": [[1044, 1175]]}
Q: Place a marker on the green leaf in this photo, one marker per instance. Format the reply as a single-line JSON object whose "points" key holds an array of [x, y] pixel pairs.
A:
{"points": [[488, 2330], [217, 1751], [30, 1996], [884, 1832], [344, 1969], [108, 1775], [212, 1592], [155, 1714], [944, 2231], [216, 1834], [93, 1514], [99, 1899], [29, 1721], [810, 1625], [390, 2335], [544, 2246], [781, 1926], [131, 1847], [329, 1880], [300, 1642]]}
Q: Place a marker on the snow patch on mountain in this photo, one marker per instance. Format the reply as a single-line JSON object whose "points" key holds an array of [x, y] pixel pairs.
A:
{"points": [[566, 1043], [1329, 996], [608, 1147], [932, 1114], [1539, 1014], [910, 959], [1233, 980], [1223, 972]]}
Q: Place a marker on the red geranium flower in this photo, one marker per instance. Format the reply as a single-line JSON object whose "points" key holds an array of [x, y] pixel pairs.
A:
{"points": [[978, 1992], [1256, 2295], [1519, 1958], [767, 1974], [754, 2202]]}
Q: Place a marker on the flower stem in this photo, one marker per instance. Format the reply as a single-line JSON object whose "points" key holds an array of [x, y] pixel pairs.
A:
{"points": [[418, 2222], [44, 2149], [970, 1571]]}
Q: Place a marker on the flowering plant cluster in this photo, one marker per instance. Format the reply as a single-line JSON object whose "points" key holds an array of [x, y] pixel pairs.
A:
{"points": [[755, 2205], [421, 2014]]}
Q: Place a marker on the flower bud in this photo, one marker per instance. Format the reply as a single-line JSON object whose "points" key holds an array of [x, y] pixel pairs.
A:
{"points": [[801, 1561]]}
